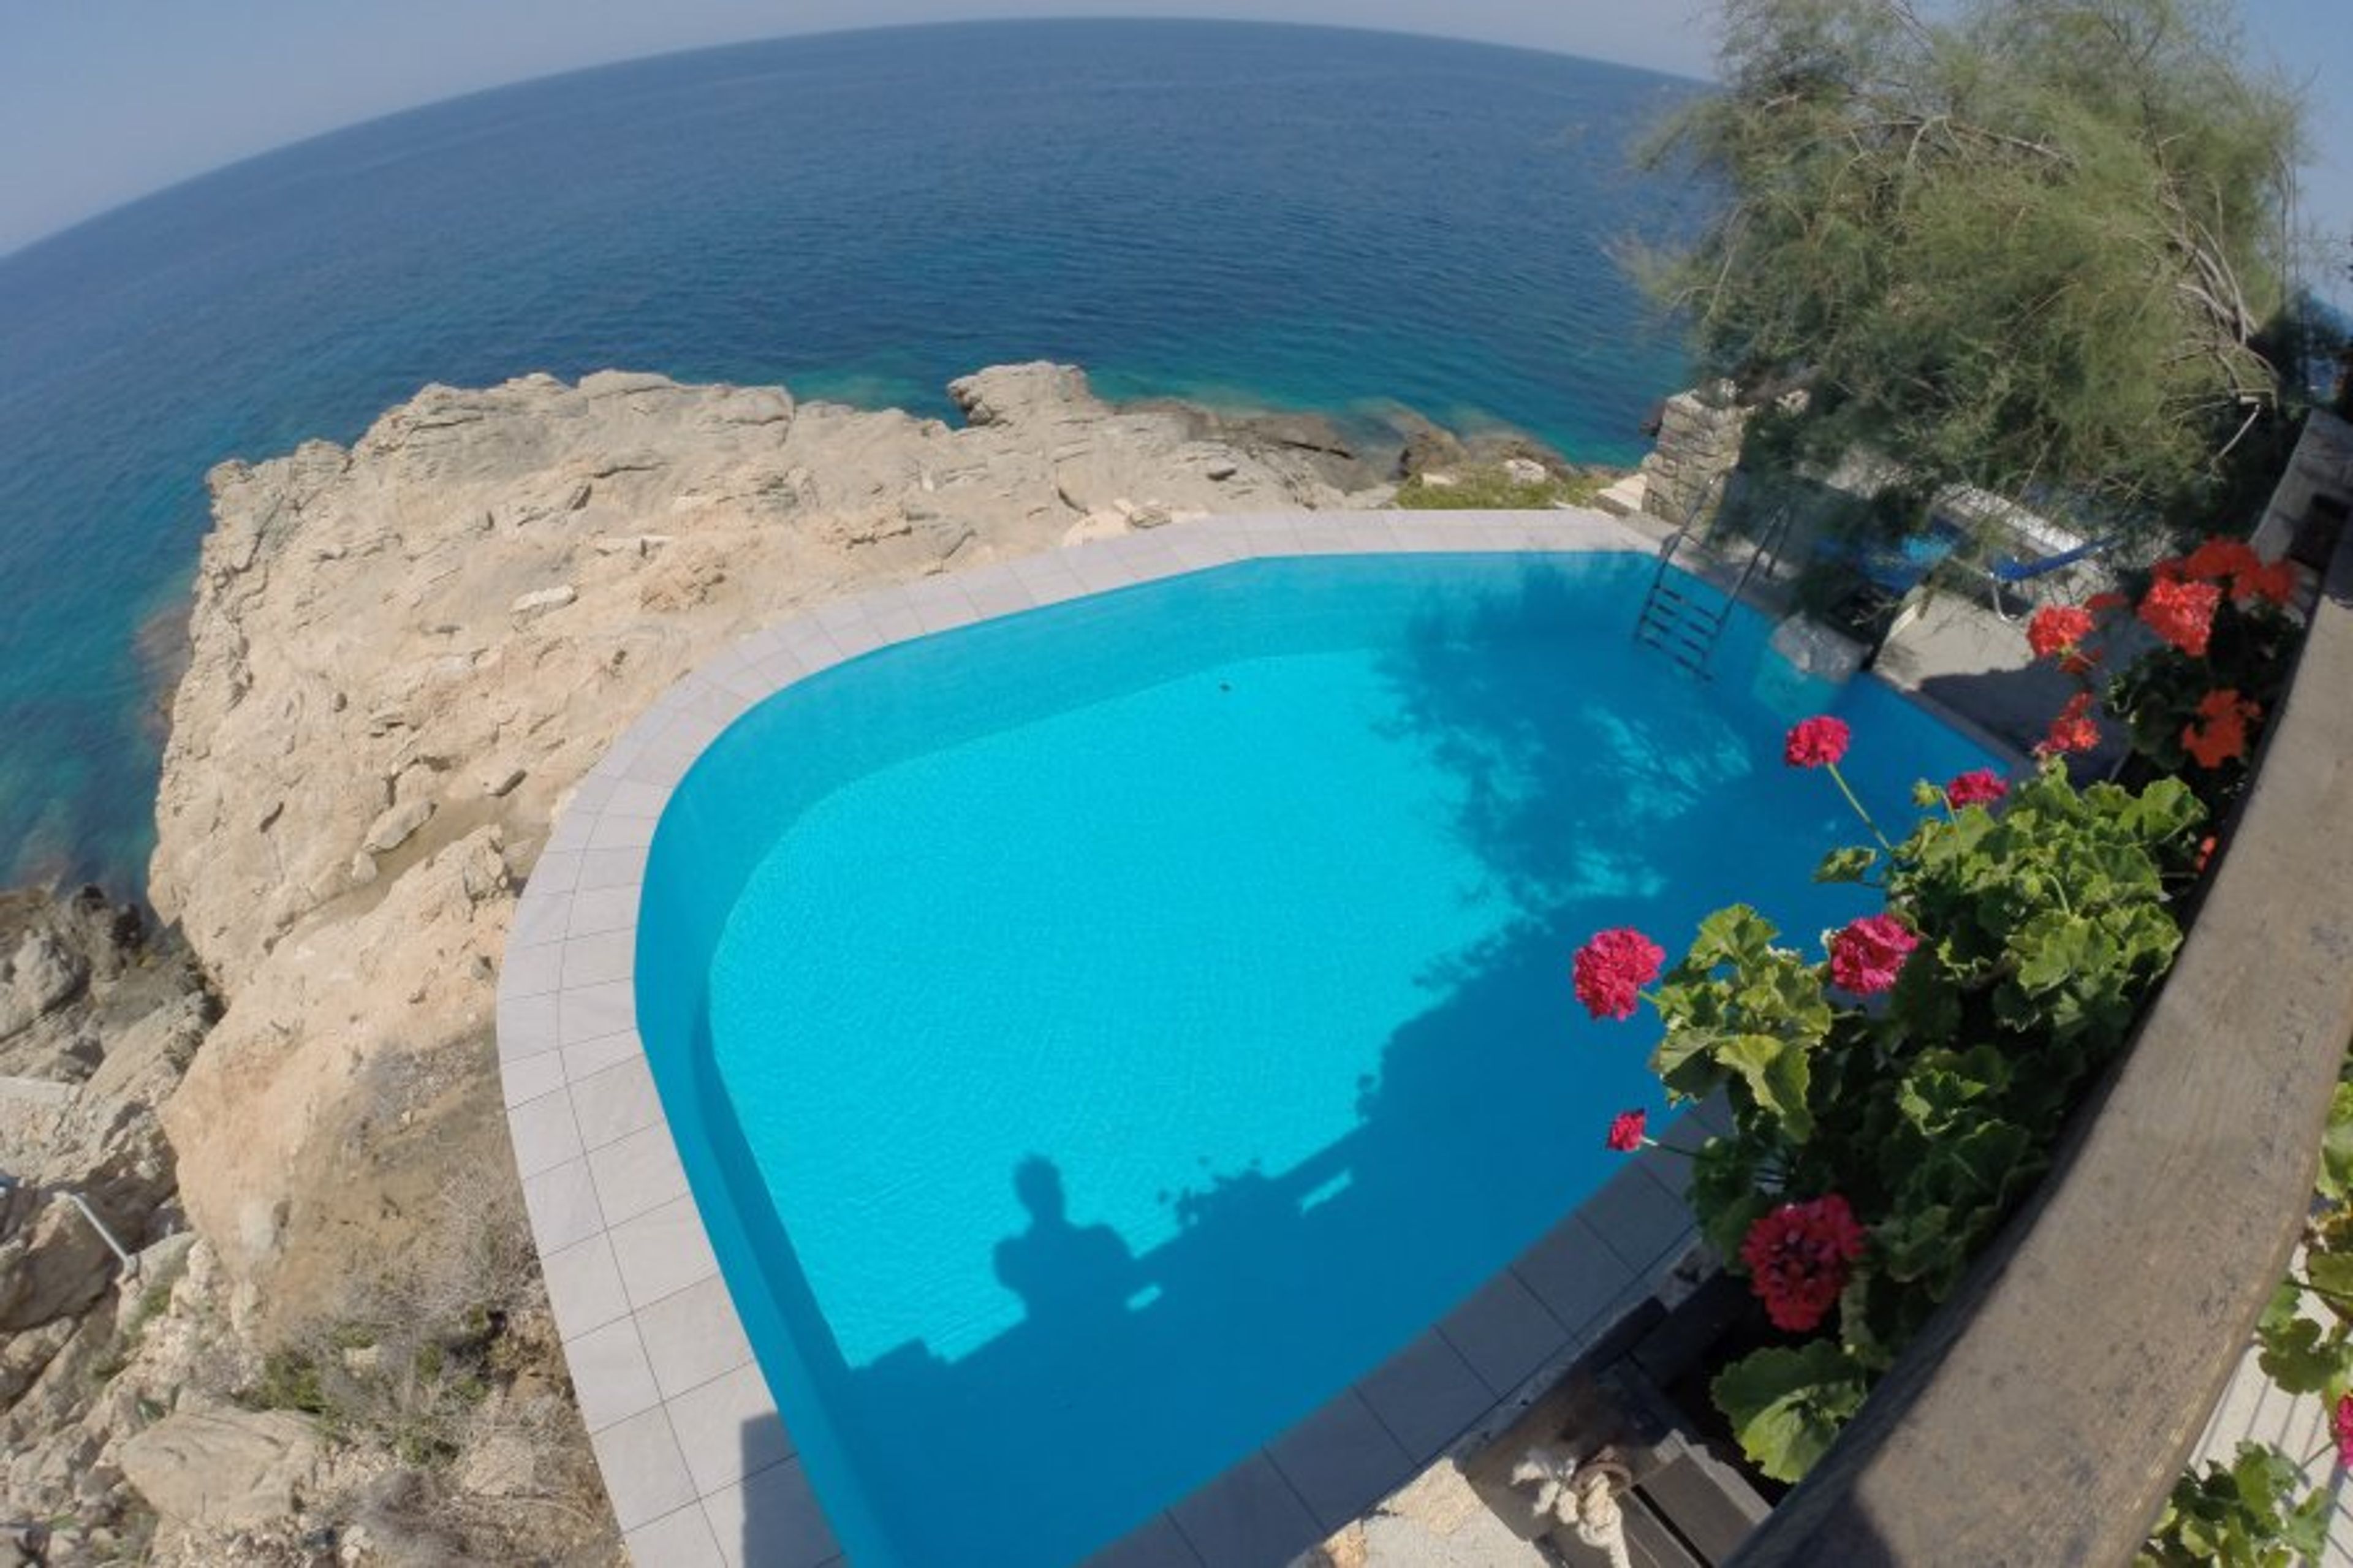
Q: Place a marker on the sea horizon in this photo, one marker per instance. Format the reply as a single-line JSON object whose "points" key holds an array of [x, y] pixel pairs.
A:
{"points": [[1308, 219]]}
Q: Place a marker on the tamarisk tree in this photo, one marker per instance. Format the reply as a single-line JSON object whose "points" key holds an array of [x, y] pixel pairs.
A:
{"points": [[2028, 244]]}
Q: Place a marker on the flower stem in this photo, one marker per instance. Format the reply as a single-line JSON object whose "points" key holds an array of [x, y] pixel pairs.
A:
{"points": [[1839, 778]]}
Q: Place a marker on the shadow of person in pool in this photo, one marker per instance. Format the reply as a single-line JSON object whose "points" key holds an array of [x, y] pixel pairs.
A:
{"points": [[1062, 1272]]}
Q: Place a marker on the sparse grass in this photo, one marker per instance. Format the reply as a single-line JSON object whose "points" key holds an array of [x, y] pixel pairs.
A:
{"points": [[422, 1345], [1489, 486]]}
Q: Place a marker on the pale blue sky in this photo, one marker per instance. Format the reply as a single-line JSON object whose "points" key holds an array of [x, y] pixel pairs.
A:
{"points": [[103, 101]]}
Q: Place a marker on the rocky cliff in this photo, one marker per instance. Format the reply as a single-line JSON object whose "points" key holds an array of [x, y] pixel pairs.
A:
{"points": [[403, 655]]}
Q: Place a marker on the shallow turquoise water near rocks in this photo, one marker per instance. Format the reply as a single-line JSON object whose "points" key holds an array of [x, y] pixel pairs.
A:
{"points": [[1099, 1037], [1296, 218]]}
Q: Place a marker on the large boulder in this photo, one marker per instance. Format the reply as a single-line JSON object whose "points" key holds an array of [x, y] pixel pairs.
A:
{"points": [[222, 1466]]}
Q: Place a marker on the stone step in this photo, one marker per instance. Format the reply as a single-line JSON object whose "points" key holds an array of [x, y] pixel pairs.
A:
{"points": [[1623, 498]]}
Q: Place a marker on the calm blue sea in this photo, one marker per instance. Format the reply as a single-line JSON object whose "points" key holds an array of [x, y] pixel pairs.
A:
{"points": [[1266, 216]]}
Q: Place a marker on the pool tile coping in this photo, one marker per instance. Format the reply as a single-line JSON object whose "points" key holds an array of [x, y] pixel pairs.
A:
{"points": [[660, 1364]]}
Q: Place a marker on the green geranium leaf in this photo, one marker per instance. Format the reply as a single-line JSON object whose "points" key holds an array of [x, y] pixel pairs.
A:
{"points": [[1777, 1075], [1849, 865], [2336, 1147], [2331, 1274], [1787, 1407]]}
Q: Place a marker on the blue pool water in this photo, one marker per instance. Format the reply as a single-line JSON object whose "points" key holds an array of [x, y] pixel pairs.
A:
{"points": [[1098, 1037], [1285, 216]]}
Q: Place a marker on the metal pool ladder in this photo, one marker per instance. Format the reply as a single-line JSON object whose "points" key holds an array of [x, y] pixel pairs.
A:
{"points": [[1679, 622]]}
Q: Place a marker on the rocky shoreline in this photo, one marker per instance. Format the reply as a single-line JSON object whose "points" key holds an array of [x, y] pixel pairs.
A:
{"points": [[335, 1346]]}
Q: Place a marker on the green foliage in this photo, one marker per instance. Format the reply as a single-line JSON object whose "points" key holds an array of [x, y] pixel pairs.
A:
{"points": [[1490, 487], [2028, 245], [1786, 1405], [1933, 1110], [2256, 1512]]}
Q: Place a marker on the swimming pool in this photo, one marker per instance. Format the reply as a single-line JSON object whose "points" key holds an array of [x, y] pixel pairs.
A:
{"points": [[1096, 1036]]}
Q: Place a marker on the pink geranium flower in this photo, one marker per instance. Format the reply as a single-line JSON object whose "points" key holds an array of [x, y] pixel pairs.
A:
{"points": [[1867, 954], [1816, 743], [1800, 1256], [1979, 787], [1626, 1131], [1611, 969]]}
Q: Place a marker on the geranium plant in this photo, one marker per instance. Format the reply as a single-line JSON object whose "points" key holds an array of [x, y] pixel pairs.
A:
{"points": [[2224, 633], [1894, 1098]]}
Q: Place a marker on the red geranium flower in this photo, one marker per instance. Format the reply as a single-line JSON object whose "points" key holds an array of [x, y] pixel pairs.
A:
{"points": [[1626, 1131], [2340, 1426], [1801, 1255], [2273, 582], [1816, 743], [2182, 613], [2072, 729], [2220, 558], [2056, 628], [1979, 787], [1611, 969], [1867, 954], [2101, 603], [2219, 733]]}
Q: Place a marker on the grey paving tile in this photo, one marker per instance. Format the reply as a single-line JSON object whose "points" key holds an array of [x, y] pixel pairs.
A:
{"points": [[638, 1173], [528, 1078], [897, 623], [526, 1025], [615, 1102], [848, 611], [594, 959], [540, 916], [601, 909], [1247, 1516], [592, 792], [610, 1376], [1426, 1394], [1575, 1273], [562, 1204], [1641, 1220], [615, 867], [1504, 1333], [777, 1503], [586, 1058], [663, 762], [1099, 571], [592, 1012], [631, 798], [680, 1540], [662, 1251], [645, 1474], [624, 832], [555, 871], [857, 637], [945, 615], [693, 1336], [531, 971], [996, 591], [1156, 1545], [728, 1429], [1340, 1461], [584, 1288], [544, 1133]]}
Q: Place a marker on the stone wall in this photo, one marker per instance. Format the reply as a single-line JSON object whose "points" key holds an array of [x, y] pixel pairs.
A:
{"points": [[1699, 438]]}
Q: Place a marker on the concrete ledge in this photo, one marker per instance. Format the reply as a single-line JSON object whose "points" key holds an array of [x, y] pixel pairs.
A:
{"points": [[2044, 1412]]}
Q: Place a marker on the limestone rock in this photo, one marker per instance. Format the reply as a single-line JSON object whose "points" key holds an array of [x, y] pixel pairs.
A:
{"points": [[38, 978], [539, 602], [397, 826], [222, 1466]]}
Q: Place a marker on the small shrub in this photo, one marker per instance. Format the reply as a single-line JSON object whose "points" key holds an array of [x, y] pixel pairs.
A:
{"points": [[1492, 487]]}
